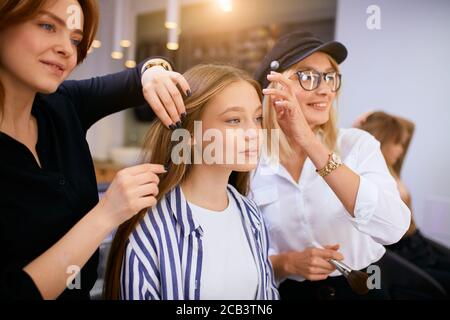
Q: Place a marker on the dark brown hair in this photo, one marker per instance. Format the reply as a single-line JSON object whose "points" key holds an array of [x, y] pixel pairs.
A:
{"points": [[409, 128]]}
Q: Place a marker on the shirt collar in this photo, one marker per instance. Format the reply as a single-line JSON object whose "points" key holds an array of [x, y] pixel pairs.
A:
{"points": [[181, 211], [272, 167]]}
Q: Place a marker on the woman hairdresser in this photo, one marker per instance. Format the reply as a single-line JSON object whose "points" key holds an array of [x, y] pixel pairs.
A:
{"points": [[51, 221], [329, 194]]}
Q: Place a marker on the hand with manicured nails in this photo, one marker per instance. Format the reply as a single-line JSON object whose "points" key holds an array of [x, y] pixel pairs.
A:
{"points": [[160, 91], [133, 189], [312, 263], [289, 113]]}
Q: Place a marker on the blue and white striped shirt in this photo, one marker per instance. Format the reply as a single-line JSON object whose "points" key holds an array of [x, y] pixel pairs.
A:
{"points": [[163, 258]]}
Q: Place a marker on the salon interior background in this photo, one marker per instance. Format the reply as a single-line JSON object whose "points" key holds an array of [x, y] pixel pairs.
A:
{"points": [[402, 68]]}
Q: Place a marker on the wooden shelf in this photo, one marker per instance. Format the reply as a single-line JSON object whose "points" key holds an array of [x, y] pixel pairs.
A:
{"points": [[105, 171]]}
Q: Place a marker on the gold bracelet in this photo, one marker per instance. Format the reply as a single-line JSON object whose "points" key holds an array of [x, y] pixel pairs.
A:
{"points": [[334, 162], [156, 62]]}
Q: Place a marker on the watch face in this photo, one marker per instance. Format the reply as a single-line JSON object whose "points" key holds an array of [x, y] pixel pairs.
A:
{"points": [[335, 158]]}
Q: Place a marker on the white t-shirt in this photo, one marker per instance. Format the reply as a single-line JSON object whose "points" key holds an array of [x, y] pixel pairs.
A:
{"points": [[228, 270]]}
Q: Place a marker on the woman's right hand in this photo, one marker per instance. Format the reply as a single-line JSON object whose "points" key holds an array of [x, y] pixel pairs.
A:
{"points": [[290, 116], [133, 189], [312, 263]]}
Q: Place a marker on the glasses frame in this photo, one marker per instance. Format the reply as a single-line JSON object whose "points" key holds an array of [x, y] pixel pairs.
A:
{"points": [[322, 76]]}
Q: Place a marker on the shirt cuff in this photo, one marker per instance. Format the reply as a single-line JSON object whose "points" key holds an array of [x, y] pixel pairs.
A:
{"points": [[366, 201]]}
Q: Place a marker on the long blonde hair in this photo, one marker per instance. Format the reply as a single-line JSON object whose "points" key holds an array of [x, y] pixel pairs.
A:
{"points": [[206, 81], [328, 130]]}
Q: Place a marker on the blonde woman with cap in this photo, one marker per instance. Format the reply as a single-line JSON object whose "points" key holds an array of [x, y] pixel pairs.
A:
{"points": [[329, 193]]}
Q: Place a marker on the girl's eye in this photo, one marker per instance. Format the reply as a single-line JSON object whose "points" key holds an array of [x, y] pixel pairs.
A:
{"points": [[76, 42], [233, 121], [47, 26], [259, 119]]}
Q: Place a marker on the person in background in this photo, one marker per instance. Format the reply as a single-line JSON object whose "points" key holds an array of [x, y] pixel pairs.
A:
{"points": [[203, 239], [328, 194], [394, 134], [51, 219]]}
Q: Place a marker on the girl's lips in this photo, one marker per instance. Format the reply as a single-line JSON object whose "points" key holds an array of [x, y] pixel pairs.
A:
{"points": [[56, 69]]}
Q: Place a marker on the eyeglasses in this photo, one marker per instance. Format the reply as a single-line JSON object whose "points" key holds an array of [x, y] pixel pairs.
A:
{"points": [[310, 79]]}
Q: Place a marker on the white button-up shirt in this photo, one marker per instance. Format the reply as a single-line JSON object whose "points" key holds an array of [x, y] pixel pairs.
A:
{"points": [[307, 213]]}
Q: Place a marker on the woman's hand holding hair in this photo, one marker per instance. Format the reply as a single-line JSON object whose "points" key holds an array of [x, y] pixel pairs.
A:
{"points": [[160, 91], [133, 189]]}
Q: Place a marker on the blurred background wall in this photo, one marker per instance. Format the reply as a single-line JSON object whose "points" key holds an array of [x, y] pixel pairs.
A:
{"points": [[404, 69]]}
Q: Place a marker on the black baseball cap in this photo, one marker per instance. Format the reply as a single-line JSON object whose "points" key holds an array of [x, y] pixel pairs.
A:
{"points": [[293, 47]]}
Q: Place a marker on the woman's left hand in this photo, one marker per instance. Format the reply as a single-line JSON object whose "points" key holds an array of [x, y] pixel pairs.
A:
{"points": [[161, 92], [289, 113]]}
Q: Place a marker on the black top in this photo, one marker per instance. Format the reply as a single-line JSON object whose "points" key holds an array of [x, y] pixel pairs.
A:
{"points": [[38, 206]]}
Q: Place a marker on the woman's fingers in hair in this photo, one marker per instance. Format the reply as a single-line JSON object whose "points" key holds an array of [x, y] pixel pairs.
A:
{"points": [[158, 108], [181, 81], [147, 177], [168, 101], [176, 96], [145, 167], [161, 92], [146, 202], [149, 189], [132, 189]]}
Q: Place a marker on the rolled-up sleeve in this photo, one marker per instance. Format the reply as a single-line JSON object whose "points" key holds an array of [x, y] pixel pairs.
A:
{"points": [[379, 211]]}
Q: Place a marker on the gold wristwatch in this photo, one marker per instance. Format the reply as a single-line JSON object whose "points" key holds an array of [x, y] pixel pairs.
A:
{"points": [[156, 62], [334, 162]]}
